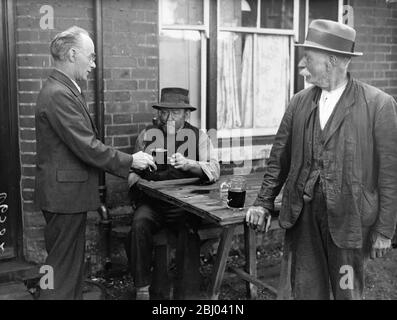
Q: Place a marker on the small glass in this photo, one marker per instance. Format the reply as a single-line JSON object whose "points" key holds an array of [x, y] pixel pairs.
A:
{"points": [[160, 157], [233, 192]]}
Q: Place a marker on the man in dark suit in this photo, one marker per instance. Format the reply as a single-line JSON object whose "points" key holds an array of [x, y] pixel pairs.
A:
{"points": [[336, 152], [69, 159]]}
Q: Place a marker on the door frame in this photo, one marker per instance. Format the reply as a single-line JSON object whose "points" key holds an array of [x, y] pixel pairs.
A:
{"points": [[10, 110]]}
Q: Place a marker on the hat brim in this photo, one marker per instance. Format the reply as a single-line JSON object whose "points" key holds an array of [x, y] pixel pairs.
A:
{"points": [[171, 105], [319, 47]]}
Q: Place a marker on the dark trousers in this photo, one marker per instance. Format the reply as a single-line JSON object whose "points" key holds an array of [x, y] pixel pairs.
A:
{"points": [[65, 244], [313, 267], [147, 221]]}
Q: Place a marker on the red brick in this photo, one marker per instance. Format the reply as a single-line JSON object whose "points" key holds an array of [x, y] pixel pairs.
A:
{"points": [[34, 61], [28, 158], [27, 35], [28, 194], [27, 122], [27, 98], [143, 74], [34, 219], [33, 48], [28, 183], [117, 96], [143, 117], [120, 74], [28, 171], [28, 146], [27, 134], [117, 130], [120, 141], [121, 118], [117, 107], [25, 85], [121, 85], [108, 119], [33, 73]]}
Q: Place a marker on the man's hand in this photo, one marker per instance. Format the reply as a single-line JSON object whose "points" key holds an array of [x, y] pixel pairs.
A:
{"points": [[142, 160], [133, 178], [178, 161], [380, 245], [258, 218]]}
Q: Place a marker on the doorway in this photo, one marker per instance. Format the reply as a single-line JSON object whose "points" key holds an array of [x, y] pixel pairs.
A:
{"points": [[10, 206]]}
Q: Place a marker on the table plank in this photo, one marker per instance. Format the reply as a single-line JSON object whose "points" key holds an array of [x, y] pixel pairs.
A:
{"points": [[203, 199]]}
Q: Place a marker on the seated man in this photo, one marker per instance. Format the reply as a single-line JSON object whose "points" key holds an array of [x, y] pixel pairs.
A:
{"points": [[190, 154]]}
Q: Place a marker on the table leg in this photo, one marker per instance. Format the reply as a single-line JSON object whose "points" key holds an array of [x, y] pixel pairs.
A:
{"points": [[221, 260], [250, 260]]}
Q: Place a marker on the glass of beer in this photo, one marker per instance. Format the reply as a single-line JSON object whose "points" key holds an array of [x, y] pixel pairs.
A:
{"points": [[236, 188]]}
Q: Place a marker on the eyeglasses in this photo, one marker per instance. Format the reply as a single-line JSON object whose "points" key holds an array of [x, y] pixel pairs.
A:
{"points": [[91, 58], [175, 114]]}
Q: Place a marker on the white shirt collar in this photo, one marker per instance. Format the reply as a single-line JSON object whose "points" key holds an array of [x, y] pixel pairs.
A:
{"points": [[336, 92], [74, 82]]}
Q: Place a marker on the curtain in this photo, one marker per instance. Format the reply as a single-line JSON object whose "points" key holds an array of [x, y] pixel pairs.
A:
{"points": [[253, 82], [247, 88], [229, 115], [271, 72]]}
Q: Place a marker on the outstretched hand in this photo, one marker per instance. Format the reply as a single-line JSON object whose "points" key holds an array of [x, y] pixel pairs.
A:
{"points": [[178, 161], [142, 161]]}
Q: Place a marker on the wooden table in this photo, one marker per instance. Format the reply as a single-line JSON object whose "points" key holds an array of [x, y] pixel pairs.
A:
{"points": [[204, 201]]}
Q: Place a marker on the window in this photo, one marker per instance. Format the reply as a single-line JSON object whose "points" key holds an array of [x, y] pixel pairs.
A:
{"points": [[183, 50], [255, 65], [255, 53]]}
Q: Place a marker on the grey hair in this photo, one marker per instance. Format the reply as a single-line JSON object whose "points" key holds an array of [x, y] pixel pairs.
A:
{"points": [[64, 41]]}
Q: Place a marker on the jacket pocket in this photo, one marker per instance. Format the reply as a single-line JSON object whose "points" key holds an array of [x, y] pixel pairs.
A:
{"points": [[369, 207], [72, 175]]}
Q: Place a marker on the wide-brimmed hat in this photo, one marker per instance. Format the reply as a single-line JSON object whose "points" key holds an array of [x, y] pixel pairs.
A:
{"points": [[331, 36], [174, 98]]}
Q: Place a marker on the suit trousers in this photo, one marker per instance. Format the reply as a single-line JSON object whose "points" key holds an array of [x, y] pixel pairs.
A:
{"points": [[65, 244], [313, 267], [149, 219]]}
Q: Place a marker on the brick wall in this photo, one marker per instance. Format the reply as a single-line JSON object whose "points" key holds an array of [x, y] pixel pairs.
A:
{"points": [[131, 77], [376, 25], [130, 73]]}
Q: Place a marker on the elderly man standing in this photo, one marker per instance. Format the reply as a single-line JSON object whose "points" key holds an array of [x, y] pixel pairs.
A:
{"points": [[336, 152], [69, 159], [191, 154]]}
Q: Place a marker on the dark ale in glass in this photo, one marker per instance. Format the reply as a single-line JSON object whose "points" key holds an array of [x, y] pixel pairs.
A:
{"points": [[236, 198]]}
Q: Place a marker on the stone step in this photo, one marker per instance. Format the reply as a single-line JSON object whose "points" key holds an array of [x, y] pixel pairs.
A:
{"points": [[14, 291], [17, 271]]}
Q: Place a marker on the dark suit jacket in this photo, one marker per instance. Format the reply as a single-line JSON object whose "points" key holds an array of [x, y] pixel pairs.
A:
{"points": [[359, 163], [69, 155]]}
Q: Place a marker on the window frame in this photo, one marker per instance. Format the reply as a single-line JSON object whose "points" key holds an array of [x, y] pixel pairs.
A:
{"points": [[209, 31], [204, 35], [293, 36]]}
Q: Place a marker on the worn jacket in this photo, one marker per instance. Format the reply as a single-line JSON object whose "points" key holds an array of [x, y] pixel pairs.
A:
{"points": [[359, 163], [69, 155]]}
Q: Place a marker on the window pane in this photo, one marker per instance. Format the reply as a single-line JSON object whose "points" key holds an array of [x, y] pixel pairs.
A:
{"points": [[238, 13], [253, 80], [182, 12], [272, 80], [323, 9], [229, 80], [277, 14], [180, 65]]}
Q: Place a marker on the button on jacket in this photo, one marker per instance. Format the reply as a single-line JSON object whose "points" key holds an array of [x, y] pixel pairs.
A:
{"points": [[359, 162]]}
